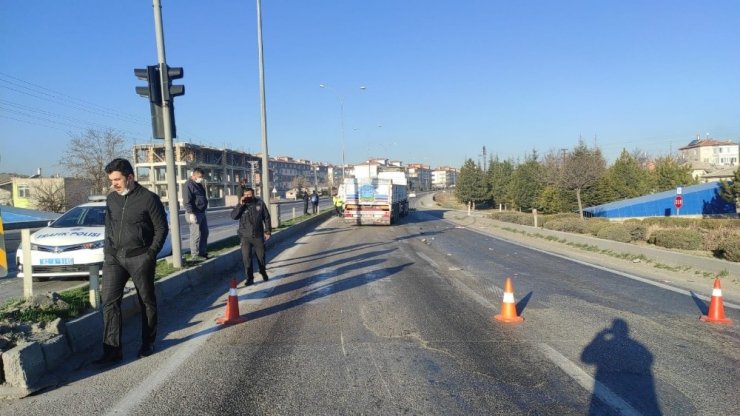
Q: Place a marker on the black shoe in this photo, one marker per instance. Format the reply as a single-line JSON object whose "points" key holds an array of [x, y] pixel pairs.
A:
{"points": [[249, 281], [109, 357], [146, 350], [264, 276]]}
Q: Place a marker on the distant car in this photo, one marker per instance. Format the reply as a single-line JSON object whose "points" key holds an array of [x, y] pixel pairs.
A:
{"points": [[412, 195], [72, 243]]}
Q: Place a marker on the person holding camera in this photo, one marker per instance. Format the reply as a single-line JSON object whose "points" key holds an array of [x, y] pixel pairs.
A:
{"points": [[254, 229], [196, 203]]}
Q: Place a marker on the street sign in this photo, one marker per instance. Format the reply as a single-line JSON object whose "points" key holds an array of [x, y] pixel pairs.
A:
{"points": [[679, 190], [678, 201]]}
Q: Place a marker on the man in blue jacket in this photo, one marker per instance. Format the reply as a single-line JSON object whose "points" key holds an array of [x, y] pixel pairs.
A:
{"points": [[196, 203]]}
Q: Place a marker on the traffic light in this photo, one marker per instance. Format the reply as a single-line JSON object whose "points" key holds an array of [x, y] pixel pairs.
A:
{"points": [[174, 90], [158, 95], [154, 88]]}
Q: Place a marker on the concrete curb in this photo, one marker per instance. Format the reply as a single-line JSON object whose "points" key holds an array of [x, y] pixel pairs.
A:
{"points": [[30, 367]]}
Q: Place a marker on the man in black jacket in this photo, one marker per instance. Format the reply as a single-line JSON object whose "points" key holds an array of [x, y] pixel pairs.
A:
{"points": [[135, 231], [196, 203], [305, 201], [254, 229]]}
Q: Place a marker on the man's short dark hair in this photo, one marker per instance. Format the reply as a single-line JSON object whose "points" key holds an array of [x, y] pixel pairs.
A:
{"points": [[119, 165], [198, 170], [247, 188]]}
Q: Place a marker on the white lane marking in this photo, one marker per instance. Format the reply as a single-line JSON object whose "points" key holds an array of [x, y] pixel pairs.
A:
{"points": [[380, 374], [587, 382], [341, 333], [136, 396], [627, 275], [139, 393], [428, 260]]}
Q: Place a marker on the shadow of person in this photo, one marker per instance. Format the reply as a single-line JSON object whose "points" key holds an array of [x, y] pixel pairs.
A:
{"points": [[624, 376]]}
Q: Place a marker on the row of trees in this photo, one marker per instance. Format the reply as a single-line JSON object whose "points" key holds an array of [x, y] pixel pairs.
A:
{"points": [[569, 180]]}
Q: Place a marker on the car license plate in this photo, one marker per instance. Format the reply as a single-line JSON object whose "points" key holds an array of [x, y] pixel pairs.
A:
{"points": [[57, 262]]}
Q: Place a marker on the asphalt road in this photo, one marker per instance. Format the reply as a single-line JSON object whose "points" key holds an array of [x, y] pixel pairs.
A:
{"points": [[220, 226], [397, 320]]}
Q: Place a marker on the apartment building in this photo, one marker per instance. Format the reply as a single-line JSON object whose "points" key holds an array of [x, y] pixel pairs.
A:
{"points": [[714, 152], [444, 177], [419, 177]]}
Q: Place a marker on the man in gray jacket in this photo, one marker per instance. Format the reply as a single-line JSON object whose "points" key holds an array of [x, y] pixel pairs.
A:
{"points": [[254, 229], [196, 203]]}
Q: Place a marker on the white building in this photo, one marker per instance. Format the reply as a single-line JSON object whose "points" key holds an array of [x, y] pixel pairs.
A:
{"points": [[714, 152]]}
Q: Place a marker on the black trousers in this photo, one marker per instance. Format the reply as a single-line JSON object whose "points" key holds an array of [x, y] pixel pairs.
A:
{"points": [[253, 245], [116, 272], [315, 207]]}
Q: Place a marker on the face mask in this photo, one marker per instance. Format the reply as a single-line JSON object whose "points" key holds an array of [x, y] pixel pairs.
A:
{"points": [[125, 189], [249, 199], [198, 180]]}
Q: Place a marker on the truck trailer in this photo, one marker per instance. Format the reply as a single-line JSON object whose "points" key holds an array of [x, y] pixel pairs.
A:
{"points": [[380, 201]]}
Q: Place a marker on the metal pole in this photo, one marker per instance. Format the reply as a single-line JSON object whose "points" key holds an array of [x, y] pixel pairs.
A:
{"points": [[263, 111], [94, 291], [27, 263], [341, 117], [316, 179], [168, 151]]}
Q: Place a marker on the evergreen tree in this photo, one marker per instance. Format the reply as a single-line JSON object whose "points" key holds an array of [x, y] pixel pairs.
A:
{"points": [[730, 190], [471, 183], [526, 184], [553, 200], [601, 193], [582, 168], [627, 178], [499, 175], [669, 174]]}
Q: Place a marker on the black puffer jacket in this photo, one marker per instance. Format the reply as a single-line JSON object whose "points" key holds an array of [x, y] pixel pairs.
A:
{"points": [[135, 223], [254, 219]]}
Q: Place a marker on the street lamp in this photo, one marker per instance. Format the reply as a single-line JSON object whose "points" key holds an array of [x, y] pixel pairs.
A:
{"points": [[341, 117]]}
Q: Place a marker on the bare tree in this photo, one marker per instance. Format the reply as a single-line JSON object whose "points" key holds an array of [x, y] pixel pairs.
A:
{"points": [[300, 182], [48, 195], [582, 168], [87, 155], [552, 166]]}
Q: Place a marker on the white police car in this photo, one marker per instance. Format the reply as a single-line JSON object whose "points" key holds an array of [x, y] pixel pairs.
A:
{"points": [[72, 243]]}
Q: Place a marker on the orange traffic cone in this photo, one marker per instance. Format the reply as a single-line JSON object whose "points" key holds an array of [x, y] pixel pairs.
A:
{"points": [[231, 316], [508, 307], [716, 313]]}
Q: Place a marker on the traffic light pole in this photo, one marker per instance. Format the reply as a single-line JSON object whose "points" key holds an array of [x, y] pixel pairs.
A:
{"points": [[169, 153], [263, 112]]}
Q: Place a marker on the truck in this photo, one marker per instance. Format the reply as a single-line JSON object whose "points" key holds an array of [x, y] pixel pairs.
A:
{"points": [[379, 200]]}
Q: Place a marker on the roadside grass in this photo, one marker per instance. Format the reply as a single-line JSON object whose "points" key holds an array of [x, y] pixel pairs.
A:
{"points": [[635, 258], [76, 300]]}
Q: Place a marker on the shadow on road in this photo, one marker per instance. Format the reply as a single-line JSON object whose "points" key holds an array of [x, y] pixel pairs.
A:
{"points": [[703, 308], [623, 369], [339, 286]]}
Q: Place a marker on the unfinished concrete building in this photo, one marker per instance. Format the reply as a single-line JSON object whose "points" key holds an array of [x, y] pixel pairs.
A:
{"points": [[225, 171]]}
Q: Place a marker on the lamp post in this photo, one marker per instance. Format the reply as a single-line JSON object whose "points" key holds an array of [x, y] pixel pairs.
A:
{"points": [[341, 117]]}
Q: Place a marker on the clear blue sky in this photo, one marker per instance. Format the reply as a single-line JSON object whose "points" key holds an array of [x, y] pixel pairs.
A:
{"points": [[443, 78]]}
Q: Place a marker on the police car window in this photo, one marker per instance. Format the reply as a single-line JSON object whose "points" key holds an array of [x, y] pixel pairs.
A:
{"points": [[82, 217]]}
